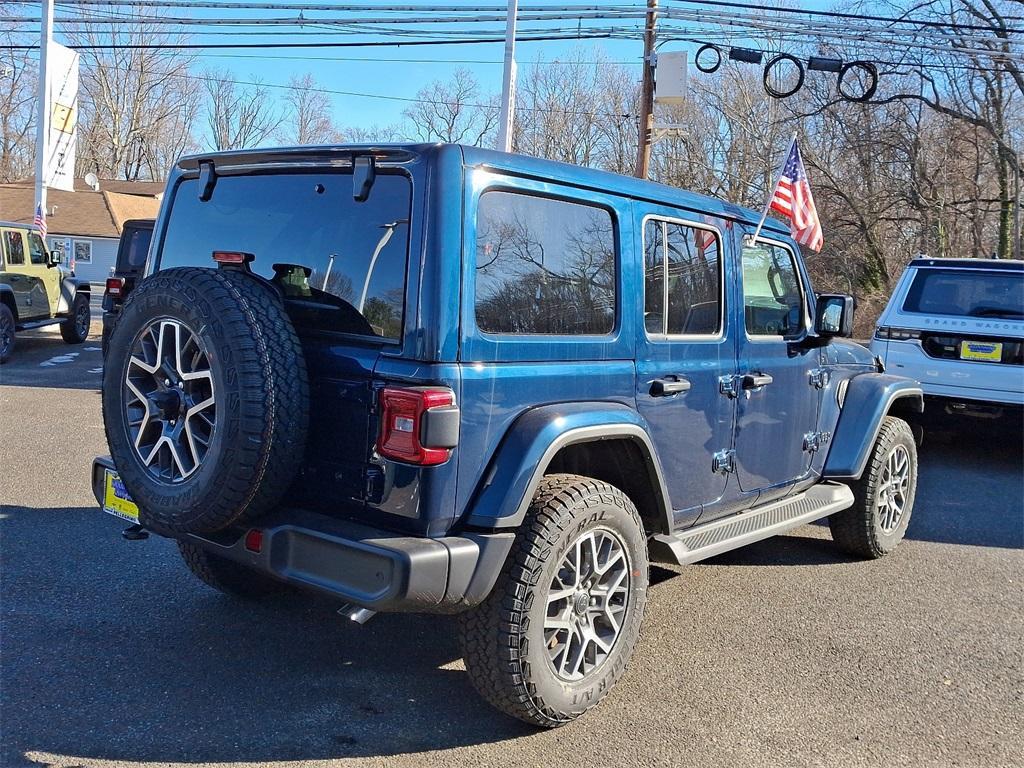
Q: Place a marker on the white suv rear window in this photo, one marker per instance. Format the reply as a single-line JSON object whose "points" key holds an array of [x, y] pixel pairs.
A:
{"points": [[966, 293]]}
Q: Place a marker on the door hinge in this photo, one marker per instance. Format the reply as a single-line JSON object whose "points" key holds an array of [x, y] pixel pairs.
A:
{"points": [[814, 441], [724, 462], [727, 386], [820, 378]]}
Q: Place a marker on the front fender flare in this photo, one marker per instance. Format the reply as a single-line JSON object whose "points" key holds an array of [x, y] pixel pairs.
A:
{"points": [[69, 288], [523, 456], [869, 398]]}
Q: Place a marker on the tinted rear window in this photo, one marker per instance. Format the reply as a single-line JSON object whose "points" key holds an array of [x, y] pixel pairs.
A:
{"points": [[133, 254], [340, 264], [544, 266], [966, 293]]}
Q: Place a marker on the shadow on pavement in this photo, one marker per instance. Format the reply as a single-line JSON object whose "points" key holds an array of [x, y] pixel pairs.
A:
{"points": [[114, 651], [43, 359], [970, 491]]}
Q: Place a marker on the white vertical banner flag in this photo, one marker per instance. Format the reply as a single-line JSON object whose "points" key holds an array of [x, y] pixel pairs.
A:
{"points": [[62, 74]]}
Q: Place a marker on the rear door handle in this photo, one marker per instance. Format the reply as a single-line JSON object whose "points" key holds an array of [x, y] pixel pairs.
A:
{"points": [[670, 385], [756, 380]]}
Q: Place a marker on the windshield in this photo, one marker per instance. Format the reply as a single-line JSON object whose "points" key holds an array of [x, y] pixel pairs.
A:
{"points": [[967, 293], [340, 264]]}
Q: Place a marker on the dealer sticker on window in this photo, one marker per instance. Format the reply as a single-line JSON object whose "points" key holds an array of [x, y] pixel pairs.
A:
{"points": [[116, 500], [981, 350]]}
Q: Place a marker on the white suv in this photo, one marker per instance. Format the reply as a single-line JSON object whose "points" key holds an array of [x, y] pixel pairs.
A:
{"points": [[957, 326]]}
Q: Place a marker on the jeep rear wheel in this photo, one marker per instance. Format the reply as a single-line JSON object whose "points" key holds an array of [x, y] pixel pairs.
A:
{"points": [[205, 399], [556, 632], [884, 495], [75, 329]]}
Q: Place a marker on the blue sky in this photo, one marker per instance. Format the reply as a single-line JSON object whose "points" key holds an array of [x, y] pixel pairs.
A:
{"points": [[386, 71]]}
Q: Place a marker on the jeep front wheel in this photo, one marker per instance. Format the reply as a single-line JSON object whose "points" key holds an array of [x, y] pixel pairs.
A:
{"points": [[556, 632], [884, 495]]}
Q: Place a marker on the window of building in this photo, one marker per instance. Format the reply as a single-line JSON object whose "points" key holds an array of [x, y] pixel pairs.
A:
{"points": [[772, 302], [682, 280], [544, 266], [83, 251]]}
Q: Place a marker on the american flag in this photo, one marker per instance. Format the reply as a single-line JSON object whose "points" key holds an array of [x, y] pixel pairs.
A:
{"points": [[40, 221], [792, 198]]}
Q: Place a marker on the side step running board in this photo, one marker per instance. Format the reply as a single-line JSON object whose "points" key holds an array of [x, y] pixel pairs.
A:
{"points": [[718, 536]]}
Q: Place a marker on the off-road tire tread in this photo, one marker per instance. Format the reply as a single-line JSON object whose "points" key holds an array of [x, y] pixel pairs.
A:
{"points": [[502, 620], [68, 332], [227, 576], [853, 529], [271, 371], [9, 316]]}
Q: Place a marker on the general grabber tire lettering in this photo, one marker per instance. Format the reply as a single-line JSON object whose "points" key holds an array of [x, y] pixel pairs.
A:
{"points": [[884, 495], [529, 647], [205, 399], [227, 576]]}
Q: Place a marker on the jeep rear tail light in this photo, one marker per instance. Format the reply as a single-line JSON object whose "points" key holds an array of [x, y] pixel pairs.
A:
{"points": [[115, 285], [419, 425], [897, 334]]}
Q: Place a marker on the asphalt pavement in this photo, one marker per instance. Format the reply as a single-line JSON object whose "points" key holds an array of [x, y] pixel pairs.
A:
{"points": [[785, 653]]}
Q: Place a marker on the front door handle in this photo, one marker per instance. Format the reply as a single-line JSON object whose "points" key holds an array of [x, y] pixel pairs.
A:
{"points": [[670, 385], [756, 380]]}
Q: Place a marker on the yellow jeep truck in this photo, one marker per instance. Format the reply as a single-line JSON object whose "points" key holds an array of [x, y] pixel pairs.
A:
{"points": [[35, 290]]}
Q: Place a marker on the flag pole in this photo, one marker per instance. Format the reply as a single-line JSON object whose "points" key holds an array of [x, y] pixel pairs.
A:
{"points": [[43, 106], [750, 239]]}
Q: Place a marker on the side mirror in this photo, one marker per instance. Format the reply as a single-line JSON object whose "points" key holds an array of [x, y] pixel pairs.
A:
{"points": [[833, 315], [53, 259]]}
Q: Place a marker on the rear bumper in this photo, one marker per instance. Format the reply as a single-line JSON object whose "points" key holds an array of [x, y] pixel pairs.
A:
{"points": [[359, 564]]}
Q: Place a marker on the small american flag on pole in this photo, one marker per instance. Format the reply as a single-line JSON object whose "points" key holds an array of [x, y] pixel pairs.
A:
{"points": [[792, 198], [40, 221]]}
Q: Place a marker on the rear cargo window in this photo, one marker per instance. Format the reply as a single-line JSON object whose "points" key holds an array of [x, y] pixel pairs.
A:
{"points": [[966, 293], [340, 264], [544, 266], [136, 249]]}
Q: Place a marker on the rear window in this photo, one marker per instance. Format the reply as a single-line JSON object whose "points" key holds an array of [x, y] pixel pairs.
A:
{"points": [[544, 266], [966, 293], [133, 253], [340, 264]]}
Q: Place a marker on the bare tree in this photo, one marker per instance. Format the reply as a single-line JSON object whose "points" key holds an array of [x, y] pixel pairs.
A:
{"points": [[308, 118], [239, 115], [18, 84], [135, 104], [454, 111]]}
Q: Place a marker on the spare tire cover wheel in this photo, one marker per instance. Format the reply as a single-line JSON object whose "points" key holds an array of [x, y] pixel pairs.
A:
{"points": [[205, 399]]}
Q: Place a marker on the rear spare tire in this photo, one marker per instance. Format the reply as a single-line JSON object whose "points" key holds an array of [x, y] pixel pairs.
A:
{"points": [[205, 399]]}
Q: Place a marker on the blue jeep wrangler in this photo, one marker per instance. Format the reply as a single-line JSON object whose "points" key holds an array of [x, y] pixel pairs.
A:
{"points": [[435, 378]]}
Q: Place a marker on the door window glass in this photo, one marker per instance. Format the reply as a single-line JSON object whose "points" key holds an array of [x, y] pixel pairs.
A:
{"points": [[15, 247], [544, 266], [682, 280], [36, 249], [772, 303]]}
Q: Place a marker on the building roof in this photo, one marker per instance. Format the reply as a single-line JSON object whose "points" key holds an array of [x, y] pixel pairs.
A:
{"points": [[84, 212]]}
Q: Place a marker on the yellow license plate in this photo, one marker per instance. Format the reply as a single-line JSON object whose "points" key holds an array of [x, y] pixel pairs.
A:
{"points": [[116, 500], [981, 350]]}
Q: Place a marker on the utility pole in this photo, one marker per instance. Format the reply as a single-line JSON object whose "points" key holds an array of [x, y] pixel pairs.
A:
{"points": [[43, 117], [1016, 210], [508, 82], [643, 154]]}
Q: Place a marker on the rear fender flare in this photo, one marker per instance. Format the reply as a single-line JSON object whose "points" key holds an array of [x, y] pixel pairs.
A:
{"points": [[869, 398], [527, 450]]}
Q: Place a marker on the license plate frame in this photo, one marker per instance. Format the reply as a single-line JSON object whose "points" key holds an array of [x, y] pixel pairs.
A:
{"points": [[116, 500], [984, 351]]}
